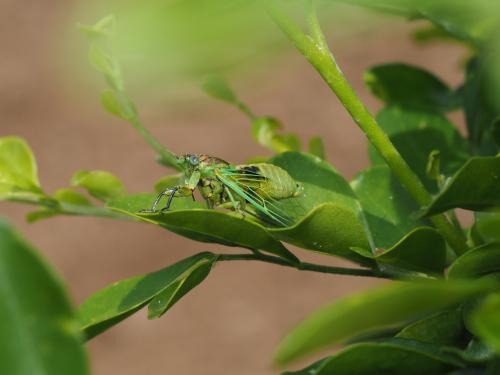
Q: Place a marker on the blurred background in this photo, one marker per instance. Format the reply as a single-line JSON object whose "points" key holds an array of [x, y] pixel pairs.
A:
{"points": [[49, 95]]}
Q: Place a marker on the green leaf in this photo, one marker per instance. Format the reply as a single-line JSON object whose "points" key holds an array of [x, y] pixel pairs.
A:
{"points": [[476, 186], [285, 142], [376, 308], [410, 87], [495, 131], [317, 148], [389, 210], [18, 172], [121, 299], [265, 133], [101, 60], [402, 243], [443, 328], [38, 330], [417, 134], [474, 22], [118, 104], [395, 357], [69, 196], [189, 219], [167, 298], [421, 250], [328, 215], [218, 88], [480, 105], [100, 184], [167, 182], [485, 320], [105, 27], [329, 229], [476, 262], [486, 226]]}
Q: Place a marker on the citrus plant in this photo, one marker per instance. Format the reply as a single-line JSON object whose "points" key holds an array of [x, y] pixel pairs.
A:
{"points": [[395, 220]]}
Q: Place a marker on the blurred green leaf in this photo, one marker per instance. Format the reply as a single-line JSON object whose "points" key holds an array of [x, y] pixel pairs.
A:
{"points": [[102, 61], [476, 186], [105, 27], [387, 305], [164, 300], [476, 262], [410, 87], [38, 330], [190, 219], [71, 197], [100, 184], [487, 225], [317, 148], [443, 328], [121, 299], [473, 22], [417, 134], [485, 320], [394, 356], [18, 172], [265, 132], [479, 106], [167, 181], [264, 129], [218, 88], [495, 131], [118, 105], [388, 208]]}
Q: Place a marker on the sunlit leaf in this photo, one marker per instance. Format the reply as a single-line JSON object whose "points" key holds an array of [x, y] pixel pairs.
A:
{"points": [[387, 305], [476, 186], [117, 301], [100, 184]]}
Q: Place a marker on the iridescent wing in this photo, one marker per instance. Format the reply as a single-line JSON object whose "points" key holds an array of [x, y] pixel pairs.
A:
{"points": [[248, 184]]}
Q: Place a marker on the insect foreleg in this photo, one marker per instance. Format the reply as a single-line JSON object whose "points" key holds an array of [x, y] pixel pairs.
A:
{"points": [[177, 191]]}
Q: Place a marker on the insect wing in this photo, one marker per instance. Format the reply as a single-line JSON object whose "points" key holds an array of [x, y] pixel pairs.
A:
{"points": [[247, 185]]}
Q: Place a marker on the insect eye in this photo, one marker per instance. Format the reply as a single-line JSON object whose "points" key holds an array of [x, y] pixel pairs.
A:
{"points": [[194, 160]]}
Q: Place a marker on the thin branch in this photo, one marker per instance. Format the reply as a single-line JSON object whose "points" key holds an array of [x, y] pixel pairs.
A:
{"points": [[303, 266]]}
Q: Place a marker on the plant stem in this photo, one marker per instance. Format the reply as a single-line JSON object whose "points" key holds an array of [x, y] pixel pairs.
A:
{"points": [[324, 62], [167, 157], [303, 266]]}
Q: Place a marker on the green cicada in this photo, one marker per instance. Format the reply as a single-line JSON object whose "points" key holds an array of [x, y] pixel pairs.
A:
{"points": [[252, 188]]}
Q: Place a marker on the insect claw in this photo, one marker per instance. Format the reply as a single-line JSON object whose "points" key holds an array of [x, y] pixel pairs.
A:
{"points": [[164, 209]]}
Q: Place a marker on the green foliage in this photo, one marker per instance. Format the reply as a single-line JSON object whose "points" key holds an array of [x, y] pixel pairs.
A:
{"points": [[100, 184], [395, 220], [418, 133], [38, 330], [410, 87], [18, 171], [160, 289], [475, 186], [485, 321], [386, 305], [395, 356]]}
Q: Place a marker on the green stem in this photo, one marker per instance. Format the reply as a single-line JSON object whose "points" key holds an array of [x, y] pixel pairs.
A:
{"points": [[167, 157], [324, 62], [302, 266]]}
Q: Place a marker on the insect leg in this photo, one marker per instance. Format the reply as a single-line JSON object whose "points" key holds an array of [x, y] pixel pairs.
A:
{"points": [[157, 200]]}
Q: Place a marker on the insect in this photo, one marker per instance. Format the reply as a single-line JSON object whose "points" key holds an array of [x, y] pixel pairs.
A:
{"points": [[238, 187]]}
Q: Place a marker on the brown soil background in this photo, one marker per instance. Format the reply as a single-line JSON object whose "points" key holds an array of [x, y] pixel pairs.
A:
{"points": [[232, 323]]}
